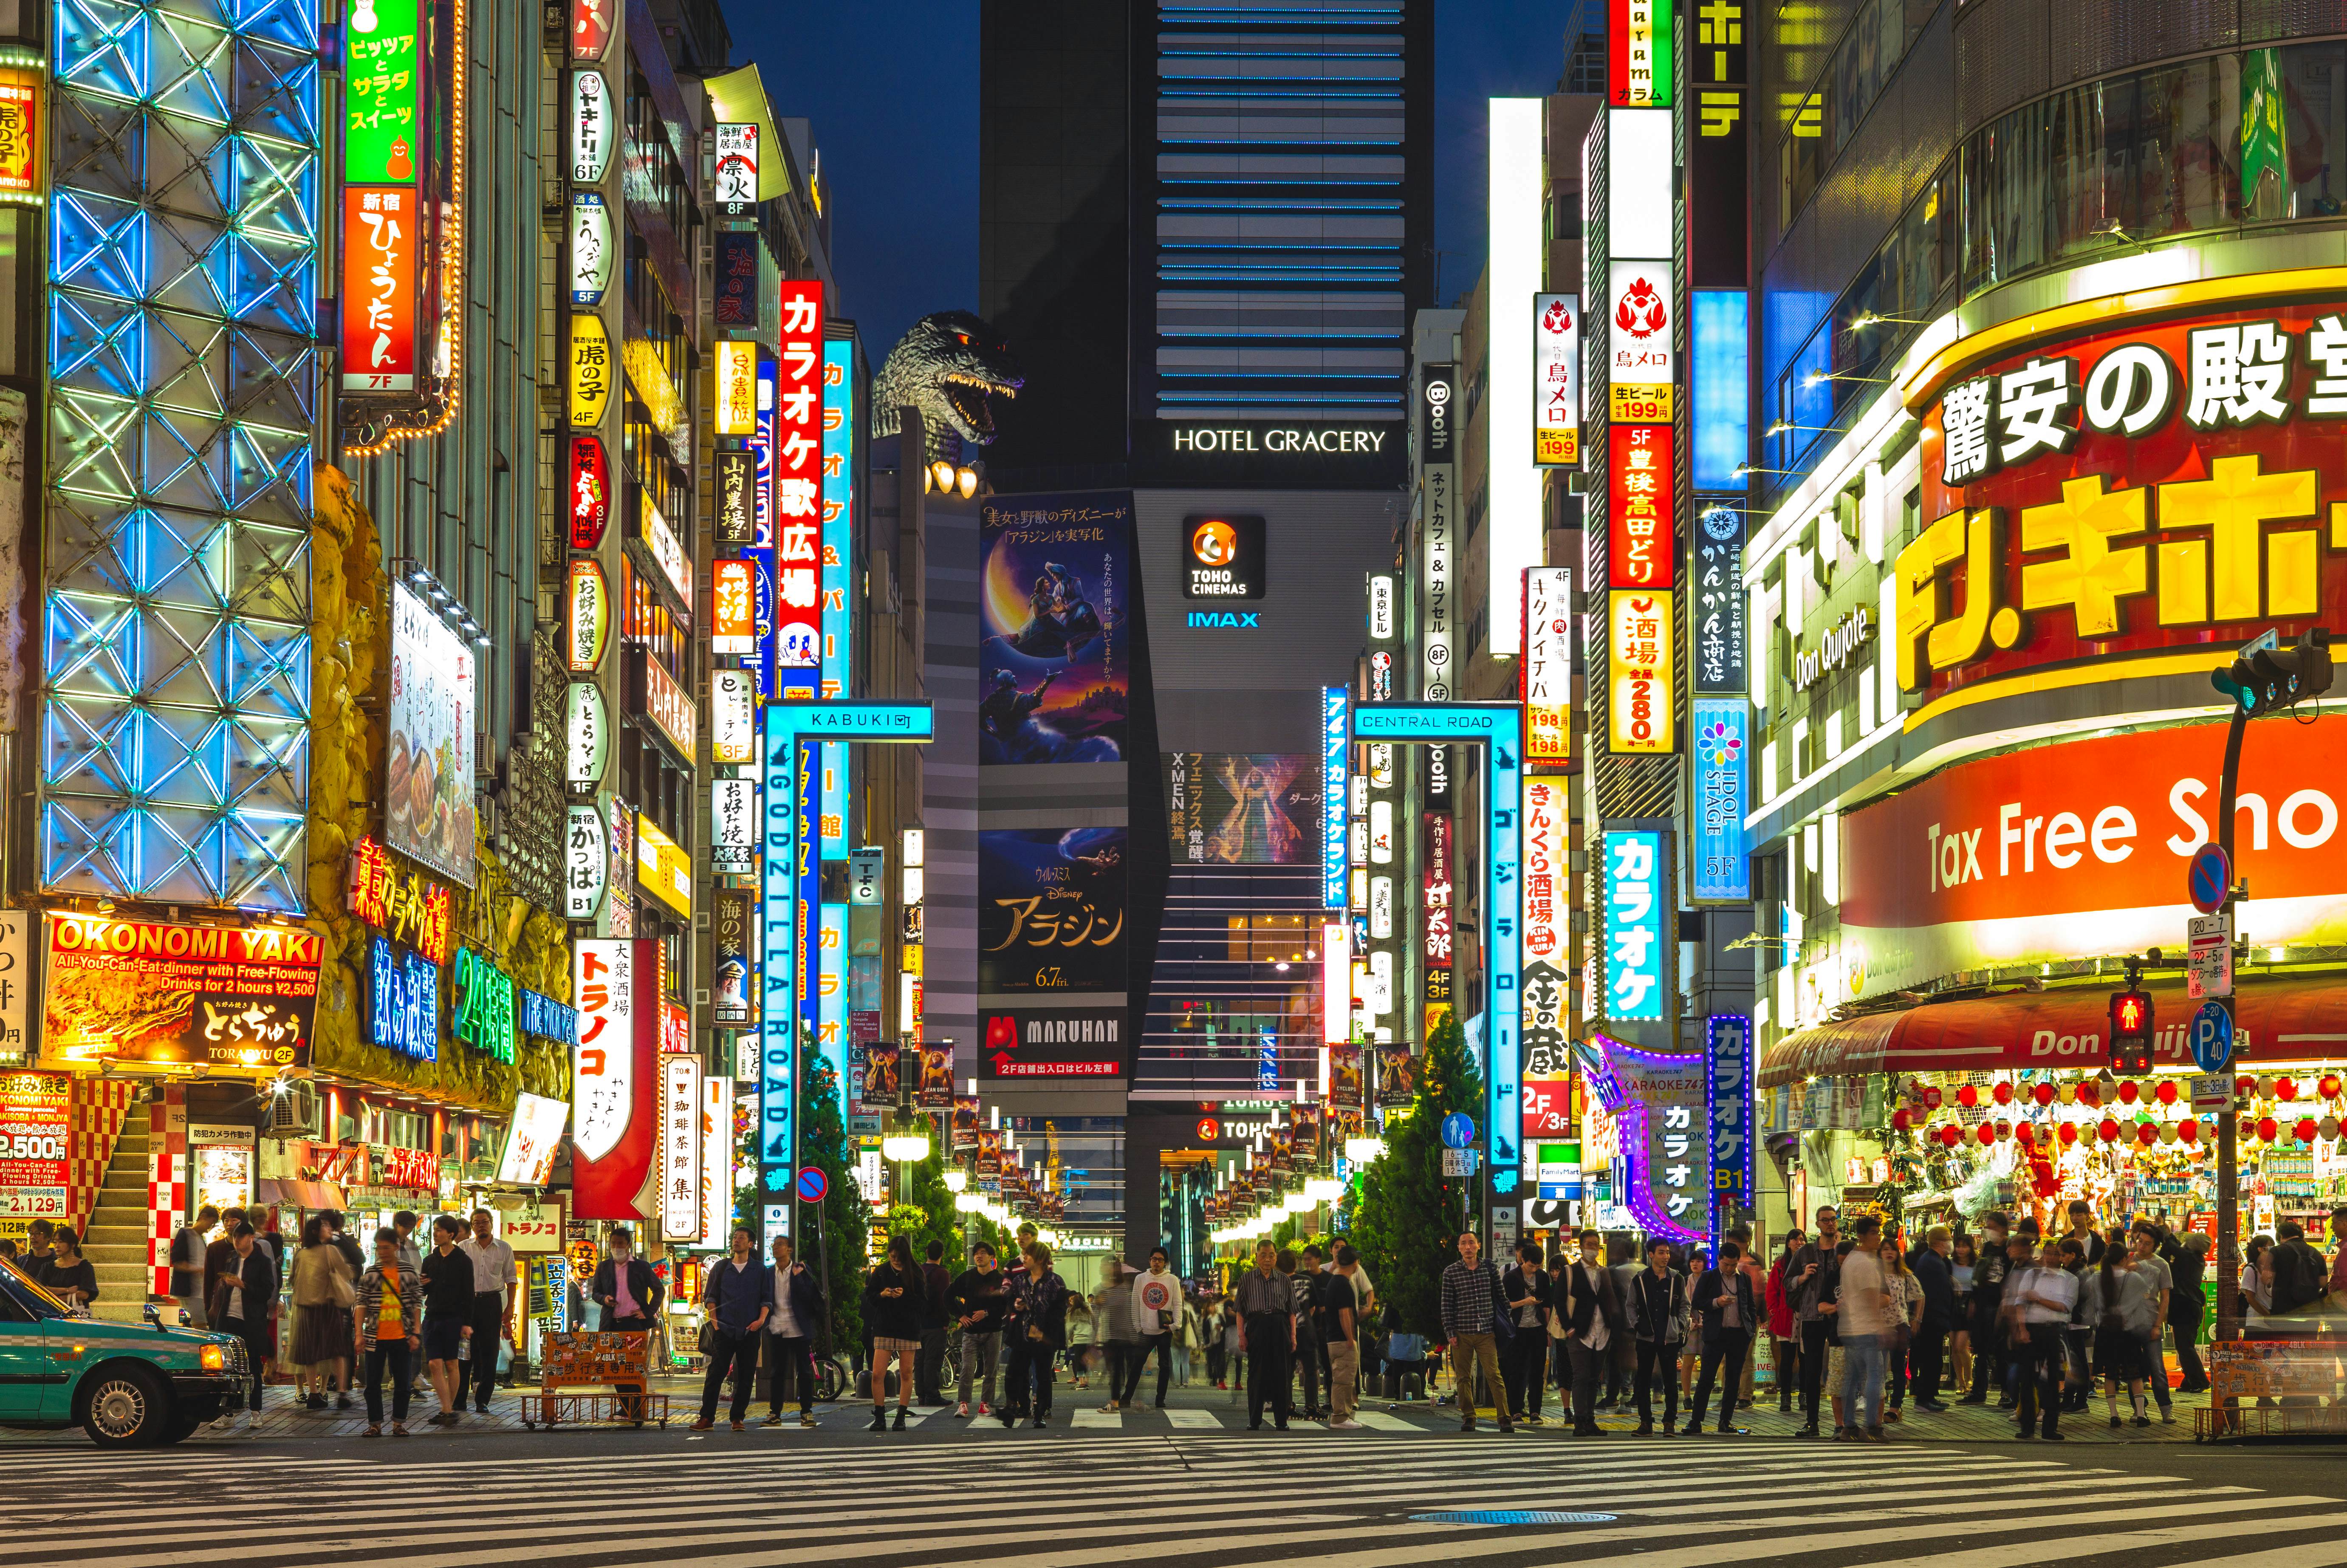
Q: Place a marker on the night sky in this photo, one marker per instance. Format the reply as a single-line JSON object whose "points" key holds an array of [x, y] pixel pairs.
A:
{"points": [[892, 92]]}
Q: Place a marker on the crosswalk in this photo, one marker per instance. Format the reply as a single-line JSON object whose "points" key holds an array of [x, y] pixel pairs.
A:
{"points": [[1115, 1498]]}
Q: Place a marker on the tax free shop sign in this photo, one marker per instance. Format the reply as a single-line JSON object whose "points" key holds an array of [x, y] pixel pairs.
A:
{"points": [[2081, 849]]}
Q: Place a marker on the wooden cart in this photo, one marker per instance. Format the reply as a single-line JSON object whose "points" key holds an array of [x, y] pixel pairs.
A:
{"points": [[594, 1380]]}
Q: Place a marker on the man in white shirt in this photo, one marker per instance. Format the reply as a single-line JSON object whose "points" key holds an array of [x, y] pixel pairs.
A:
{"points": [[494, 1279], [793, 1322], [1865, 1316], [2046, 1293]]}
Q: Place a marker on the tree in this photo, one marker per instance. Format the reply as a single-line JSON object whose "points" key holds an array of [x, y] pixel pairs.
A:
{"points": [[823, 1144], [1407, 1217]]}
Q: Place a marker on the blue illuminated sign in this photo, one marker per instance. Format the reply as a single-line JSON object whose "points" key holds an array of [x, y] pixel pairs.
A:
{"points": [[831, 990], [406, 1015], [1332, 797], [806, 909], [1634, 991], [1727, 1048], [840, 412], [1721, 860], [1723, 425], [1224, 620]]}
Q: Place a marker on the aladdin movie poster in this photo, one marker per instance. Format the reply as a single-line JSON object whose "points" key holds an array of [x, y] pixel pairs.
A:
{"points": [[1050, 910], [1055, 596]]}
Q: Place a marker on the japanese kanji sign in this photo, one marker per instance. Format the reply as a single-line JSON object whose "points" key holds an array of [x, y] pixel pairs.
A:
{"points": [[1727, 1059], [382, 93], [798, 479], [404, 905], [1641, 651], [613, 986], [1637, 963], [1641, 502], [381, 246], [1548, 664]]}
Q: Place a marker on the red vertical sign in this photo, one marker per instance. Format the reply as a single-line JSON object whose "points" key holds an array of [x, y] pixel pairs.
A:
{"points": [[380, 249], [798, 479], [1642, 479]]}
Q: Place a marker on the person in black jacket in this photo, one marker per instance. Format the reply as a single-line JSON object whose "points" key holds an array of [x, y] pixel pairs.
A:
{"points": [[894, 1294], [241, 1294], [977, 1300], [2186, 1304], [1929, 1263], [797, 1321], [1529, 1293], [928, 1367], [1988, 1330], [1037, 1324], [1731, 1316], [1658, 1309], [626, 1288]]}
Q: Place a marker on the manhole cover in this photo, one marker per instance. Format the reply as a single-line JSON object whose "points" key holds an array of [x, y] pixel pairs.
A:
{"points": [[1509, 1516]]}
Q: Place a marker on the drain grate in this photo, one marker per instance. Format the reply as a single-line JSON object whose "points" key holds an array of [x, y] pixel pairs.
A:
{"points": [[1509, 1516]]}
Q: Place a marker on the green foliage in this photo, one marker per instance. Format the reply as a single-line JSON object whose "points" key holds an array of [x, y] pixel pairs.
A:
{"points": [[823, 1144], [1407, 1216]]}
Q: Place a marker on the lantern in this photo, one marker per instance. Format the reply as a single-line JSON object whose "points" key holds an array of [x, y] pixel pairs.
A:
{"points": [[2328, 1127], [2107, 1129], [2043, 1093], [2265, 1085], [2267, 1128], [2147, 1133], [2330, 1086], [1967, 1096], [2004, 1131], [2285, 1089], [2004, 1092], [1932, 1097], [1898, 1120], [2164, 1091], [2305, 1129], [1987, 1134], [2068, 1132], [1951, 1135], [2130, 1091], [2026, 1133], [2245, 1086], [2090, 1094], [2168, 1132], [2188, 1130]]}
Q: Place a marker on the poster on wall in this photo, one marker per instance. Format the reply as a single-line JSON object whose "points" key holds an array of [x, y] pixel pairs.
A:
{"points": [[532, 1141], [35, 1141], [428, 775], [144, 991], [1242, 809], [1050, 910], [1055, 588], [613, 1085]]}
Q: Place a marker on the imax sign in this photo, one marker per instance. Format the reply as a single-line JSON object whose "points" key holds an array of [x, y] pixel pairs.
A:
{"points": [[1225, 620]]}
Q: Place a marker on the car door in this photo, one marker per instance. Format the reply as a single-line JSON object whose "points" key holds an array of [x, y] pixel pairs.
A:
{"points": [[26, 1370]]}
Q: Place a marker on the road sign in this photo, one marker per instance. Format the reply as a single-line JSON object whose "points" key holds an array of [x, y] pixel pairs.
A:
{"points": [[1458, 1161], [1458, 1129], [2209, 877], [2209, 956], [812, 1184], [2212, 1037], [2212, 1092]]}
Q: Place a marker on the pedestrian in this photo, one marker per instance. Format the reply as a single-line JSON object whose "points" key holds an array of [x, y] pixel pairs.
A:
{"points": [[1340, 1332], [1302, 1272], [1474, 1314], [387, 1325], [2116, 1297], [1234, 1350], [1594, 1320], [625, 1287], [1038, 1327], [1730, 1310], [1933, 1277], [929, 1367], [2038, 1303], [240, 1306], [2300, 1281], [67, 1273], [496, 1280], [267, 1243], [448, 1316], [411, 1255], [736, 1297], [1748, 1260], [892, 1317], [1081, 1332], [1813, 1277], [1157, 1310], [1862, 1315], [1963, 1262], [1560, 1355], [2143, 1241], [188, 1243], [2082, 1230], [1785, 1334], [1906, 1294], [1115, 1328], [2186, 1304], [1215, 1330], [1657, 1309], [977, 1300], [2256, 1287], [1625, 1262], [1987, 1301], [1266, 1313], [39, 1239], [1189, 1340], [795, 1317], [325, 1292], [1529, 1293], [2076, 1337]]}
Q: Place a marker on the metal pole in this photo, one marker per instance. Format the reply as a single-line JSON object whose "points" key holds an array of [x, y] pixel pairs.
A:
{"points": [[2229, 1186]]}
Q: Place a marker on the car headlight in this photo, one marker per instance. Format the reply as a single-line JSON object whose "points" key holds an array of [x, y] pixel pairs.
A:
{"points": [[213, 1357]]}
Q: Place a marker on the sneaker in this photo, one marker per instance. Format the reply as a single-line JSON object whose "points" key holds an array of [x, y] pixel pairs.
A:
{"points": [[983, 1410], [1931, 1406], [2143, 1420], [737, 1426], [1346, 1424], [1871, 1434], [1531, 1420], [342, 1401], [314, 1402], [775, 1419], [2167, 1417], [1808, 1429], [1973, 1400], [1645, 1429], [962, 1410], [1108, 1408]]}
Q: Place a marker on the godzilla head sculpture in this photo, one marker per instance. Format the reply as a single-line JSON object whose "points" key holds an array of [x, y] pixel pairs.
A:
{"points": [[948, 366]]}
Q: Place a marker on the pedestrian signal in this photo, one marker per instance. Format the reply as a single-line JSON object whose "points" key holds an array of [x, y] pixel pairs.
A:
{"points": [[2130, 1033]]}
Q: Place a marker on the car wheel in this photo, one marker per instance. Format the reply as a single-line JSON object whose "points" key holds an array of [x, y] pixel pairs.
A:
{"points": [[124, 1406]]}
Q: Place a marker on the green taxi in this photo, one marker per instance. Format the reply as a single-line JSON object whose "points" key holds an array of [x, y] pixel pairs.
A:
{"points": [[124, 1384]]}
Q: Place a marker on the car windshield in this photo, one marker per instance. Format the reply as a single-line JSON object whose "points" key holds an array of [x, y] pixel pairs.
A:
{"points": [[34, 1297]]}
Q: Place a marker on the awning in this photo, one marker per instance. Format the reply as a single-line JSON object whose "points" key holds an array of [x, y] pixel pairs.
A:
{"points": [[301, 1194], [2295, 1018]]}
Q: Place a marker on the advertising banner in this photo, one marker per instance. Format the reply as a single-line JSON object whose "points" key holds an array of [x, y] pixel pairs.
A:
{"points": [[1087, 1043], [1556, 380], [1055, 590], [1240, 809], [730, 930], [1727, 1053], [1050, 910], [1637, 961], [1222, 556], [1717, 603], [428, 773], [1720, 856], [1547, 675], [797, 459], [382, 247], [1660, 1111], [614, 1083], [532, 1140], [1642, 500], [843, 409], [36, 1149], [144, 991], [1547, 923], [1641, 652]]}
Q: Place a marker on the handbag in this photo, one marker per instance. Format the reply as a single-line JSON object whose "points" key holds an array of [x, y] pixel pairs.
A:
{"points": [[346, 1294], [706, 1340]]}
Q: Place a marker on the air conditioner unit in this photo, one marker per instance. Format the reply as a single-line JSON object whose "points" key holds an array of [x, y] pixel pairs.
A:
{"points": [[293, 1115]]}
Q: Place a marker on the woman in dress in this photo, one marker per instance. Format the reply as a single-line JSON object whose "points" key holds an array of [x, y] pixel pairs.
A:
{"points": [[323, 1295]]}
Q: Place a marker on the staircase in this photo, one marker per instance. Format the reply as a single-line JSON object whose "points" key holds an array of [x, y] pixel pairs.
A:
{"points": [[115, 1241]]}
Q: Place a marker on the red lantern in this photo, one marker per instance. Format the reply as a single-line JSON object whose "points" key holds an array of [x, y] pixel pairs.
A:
{"points": [[2330, 1086], [2107, 1131], [2090, 1094], [2128, 1091], [1898, 1120], [2305, 1129], [1951, 1135], [2244, 1085], [2188, 1130], [2026, 1133], [2070, 1131], [2043, 1093], [1987, 1134], [2146, 1132], [2267, 1128], [2285, 1089], [2166, 1091], [1932, 1098], [1966, 1095], [2004, 1094]]}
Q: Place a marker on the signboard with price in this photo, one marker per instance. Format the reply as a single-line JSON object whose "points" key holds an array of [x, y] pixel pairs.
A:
{"points": [[239, 997], [35, 1132]]}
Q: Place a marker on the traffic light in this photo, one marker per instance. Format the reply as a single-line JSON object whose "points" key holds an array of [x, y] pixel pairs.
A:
{"points": [[2130, 1032], [2272, 679]]}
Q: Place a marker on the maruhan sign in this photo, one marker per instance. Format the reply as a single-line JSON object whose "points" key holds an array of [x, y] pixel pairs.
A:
{"points": [[1325, 440]]}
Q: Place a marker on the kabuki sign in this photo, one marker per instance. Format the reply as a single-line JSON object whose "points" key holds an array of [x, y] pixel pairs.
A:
{"points": [[2140, 488]]}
